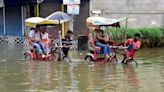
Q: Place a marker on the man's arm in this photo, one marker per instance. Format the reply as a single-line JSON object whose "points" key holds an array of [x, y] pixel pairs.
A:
{"points": [[124, 43], [31, 36], [99, 37]]}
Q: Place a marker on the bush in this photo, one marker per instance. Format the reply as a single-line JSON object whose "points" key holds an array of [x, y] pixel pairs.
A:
{"points": [[153, 36]]}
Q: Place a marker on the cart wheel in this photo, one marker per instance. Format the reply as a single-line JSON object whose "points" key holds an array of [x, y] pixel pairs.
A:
{"points": [[88, 58], [27, 57]]}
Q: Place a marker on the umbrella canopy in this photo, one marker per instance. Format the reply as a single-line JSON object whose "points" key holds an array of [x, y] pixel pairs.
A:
{"points": [[61, 17], [33, 21], [100, 21]]}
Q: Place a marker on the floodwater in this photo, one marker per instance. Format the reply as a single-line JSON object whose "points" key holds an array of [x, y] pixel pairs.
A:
{"points": [[17, 75]]}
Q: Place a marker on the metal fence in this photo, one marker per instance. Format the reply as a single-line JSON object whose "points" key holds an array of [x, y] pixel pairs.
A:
{"points": [[17, 41]]}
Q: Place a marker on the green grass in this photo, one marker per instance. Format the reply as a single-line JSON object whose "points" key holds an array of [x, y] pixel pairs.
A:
{"points": [[153, 36]]}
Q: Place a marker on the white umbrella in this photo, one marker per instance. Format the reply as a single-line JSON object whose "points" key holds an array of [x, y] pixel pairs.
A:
{"points": [[101, 21], [33, 21], [61, 17]]}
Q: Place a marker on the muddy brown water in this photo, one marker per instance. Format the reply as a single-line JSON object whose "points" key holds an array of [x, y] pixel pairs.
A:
{"points": [[17, 75]]}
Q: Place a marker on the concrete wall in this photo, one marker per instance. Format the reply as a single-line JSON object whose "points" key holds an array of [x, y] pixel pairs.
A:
{"points": [[50, 6], [79, 20], [145, 12], [14, 18]]}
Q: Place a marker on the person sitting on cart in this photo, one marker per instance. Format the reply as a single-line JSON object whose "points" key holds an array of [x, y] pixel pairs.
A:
{"points": [[133, 45], [100, 40], [67, 42], [35, 39], [45, 40]]}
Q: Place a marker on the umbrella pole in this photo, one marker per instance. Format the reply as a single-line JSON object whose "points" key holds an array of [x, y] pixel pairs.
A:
{"points": [[126, 31], [60, 39], [63, 29], [72, 23], [116, 33], [60, 42], [37, 9]]}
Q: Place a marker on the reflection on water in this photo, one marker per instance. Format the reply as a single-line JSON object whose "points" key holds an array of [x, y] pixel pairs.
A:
{"points": [[41, 76]]}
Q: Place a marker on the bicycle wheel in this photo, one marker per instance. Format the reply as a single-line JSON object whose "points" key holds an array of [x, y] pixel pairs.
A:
{"points": [[113, 59], [55, 56], [131, 61]]}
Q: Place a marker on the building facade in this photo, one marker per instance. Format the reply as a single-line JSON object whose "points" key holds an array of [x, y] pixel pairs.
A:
{"points": [[12, 17], [141, 13], [14, 12]]}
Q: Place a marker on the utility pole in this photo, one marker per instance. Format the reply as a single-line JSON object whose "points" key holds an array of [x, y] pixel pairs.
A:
{"points": [[37, 7]]}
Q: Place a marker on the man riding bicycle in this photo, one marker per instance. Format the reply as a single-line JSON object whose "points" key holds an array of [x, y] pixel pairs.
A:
{"points": [[133, 45]]}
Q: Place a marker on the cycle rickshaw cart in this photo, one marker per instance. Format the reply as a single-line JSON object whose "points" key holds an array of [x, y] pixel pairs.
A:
{"points": [[56, 53], [95, 52]]}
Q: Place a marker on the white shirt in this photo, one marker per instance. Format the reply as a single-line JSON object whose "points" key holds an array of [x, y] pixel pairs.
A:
{"points": [[45, 36], [34, 35]]}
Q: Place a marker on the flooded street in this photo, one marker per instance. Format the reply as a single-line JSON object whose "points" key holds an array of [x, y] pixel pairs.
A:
{"points": [[17, 75]]}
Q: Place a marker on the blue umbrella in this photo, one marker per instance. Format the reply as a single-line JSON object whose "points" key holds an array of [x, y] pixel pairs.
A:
{"points": [[60, 16]]}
